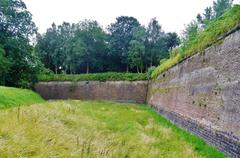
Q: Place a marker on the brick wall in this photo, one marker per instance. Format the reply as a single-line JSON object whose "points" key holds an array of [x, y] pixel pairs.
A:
{"points": [[122, 91], [204, 88]]}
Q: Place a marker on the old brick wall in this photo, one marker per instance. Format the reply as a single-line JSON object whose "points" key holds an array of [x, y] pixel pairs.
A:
{"points": [[204, 89], [124, 91], [200, 94]]}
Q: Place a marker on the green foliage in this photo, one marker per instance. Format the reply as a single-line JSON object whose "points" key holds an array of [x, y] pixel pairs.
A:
{"points": [[4, 66], [137, 48], [121, 33], [108, 76], [85, 47], [73, 48], [202, 40], [150, 71], [172, 40], [96, 129], [10, 97], [220, 6], [18, 63], [156, 43], [211, 13], [92, 39]]}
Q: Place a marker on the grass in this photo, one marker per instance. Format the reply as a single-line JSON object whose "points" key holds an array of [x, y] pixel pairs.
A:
{"points": [[208, 37], [10, 97], [95, 129], [108, 76]]}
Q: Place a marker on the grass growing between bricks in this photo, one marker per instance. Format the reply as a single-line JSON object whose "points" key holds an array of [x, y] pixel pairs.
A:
{"points": [[95, 129], [10, 97]]}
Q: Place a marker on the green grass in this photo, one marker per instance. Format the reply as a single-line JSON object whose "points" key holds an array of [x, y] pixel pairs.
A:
{"points": [[108, 76], [10, 97], [95, 129], [204, 39]]}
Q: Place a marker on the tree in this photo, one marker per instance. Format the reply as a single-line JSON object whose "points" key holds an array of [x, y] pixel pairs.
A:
{"points": [[15, 20], [92, 37], [172, 40], [16, 28], [220, 6], [121, 33], [208, 14], [190, 32], [154, 42], [54, 46], [48, 47], [4, 66], [137, 48], [74, 57], [69, 47]]}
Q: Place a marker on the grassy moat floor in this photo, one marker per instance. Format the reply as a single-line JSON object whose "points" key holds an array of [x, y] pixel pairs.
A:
{"points": [[92, 129]]}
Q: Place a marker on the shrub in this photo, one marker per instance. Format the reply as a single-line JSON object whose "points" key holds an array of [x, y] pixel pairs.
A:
{"points": [[109, 76]]}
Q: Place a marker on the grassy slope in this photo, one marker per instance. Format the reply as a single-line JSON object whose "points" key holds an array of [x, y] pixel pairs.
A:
{"points": [[108, 76], [14, 97], [95, 129], [216, 28]]}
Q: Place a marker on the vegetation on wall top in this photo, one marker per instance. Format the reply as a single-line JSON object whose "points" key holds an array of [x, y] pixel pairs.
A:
{"points": [[109, 76], [203, 39]]}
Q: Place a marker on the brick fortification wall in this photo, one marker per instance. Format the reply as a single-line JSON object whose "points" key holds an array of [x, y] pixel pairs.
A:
{"points": [[202, 94], [123, 91]]}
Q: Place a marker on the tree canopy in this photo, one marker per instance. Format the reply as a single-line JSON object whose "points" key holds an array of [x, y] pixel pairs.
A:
{"points": [[18, 63], [86, 47]]}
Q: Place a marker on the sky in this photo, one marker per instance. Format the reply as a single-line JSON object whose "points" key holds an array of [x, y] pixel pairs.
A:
{"points": [[173, 15]]}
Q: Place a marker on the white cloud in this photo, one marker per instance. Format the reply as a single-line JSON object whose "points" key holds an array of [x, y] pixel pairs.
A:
{"points": [[172, 14]]}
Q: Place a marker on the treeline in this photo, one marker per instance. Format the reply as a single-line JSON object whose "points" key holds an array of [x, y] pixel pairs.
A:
{"points": [[85, 47], [124, 45]]}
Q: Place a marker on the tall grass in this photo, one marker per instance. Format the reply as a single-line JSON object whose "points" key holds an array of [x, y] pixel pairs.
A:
{"points": [[209, 36], [10, 97], [95, 129]]}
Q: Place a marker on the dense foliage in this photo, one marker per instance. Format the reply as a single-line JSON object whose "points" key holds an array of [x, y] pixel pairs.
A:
{"points": [[109, 76], [202, 38], [85, 47], [18, 65], [10, 97]]}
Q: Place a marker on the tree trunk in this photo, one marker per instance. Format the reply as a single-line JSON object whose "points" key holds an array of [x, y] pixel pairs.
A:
{"points": [[56, 70], [87, 68], [127, 68], [137, 69], [151, 63]]}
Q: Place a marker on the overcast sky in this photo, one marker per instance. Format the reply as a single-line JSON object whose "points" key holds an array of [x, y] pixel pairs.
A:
{"points": [[171, 14]]}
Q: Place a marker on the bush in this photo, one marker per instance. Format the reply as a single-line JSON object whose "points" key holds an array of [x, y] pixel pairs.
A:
{"points": [[108, 76]]}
